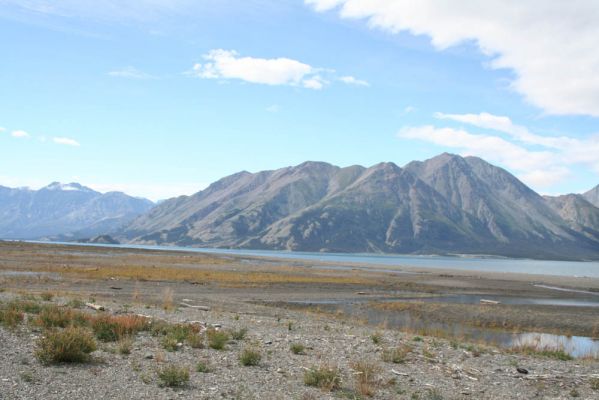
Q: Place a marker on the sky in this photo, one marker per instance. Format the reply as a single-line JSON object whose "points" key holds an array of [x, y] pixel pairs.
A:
{"points": [[159, 98]]}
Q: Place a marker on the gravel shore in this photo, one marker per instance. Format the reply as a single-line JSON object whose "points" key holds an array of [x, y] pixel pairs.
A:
{"points": [[433, 369]]}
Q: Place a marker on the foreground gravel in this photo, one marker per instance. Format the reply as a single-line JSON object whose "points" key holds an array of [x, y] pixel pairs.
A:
{"points": [[435, 369]]}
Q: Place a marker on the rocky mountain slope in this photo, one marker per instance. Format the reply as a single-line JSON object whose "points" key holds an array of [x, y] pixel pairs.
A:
{"points": [[592, 196], [448, 204], [64, 210]]}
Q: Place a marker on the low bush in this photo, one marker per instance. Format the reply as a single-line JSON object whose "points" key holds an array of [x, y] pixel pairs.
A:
{"points": [[72, 344], [250, 357], [173, 376], [297, 348], [217, 339], [324, 377], [196, 340], [203, 367], [53, 316], [239, 334], [170, 343], [109, 328]]}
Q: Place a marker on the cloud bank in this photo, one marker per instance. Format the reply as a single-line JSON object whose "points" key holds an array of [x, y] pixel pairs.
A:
{"points": [[539, 161], [550, 45]]}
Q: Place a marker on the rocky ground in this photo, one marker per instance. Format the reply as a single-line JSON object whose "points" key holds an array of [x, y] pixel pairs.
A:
{"points": [[239, 293], [433, 369]]}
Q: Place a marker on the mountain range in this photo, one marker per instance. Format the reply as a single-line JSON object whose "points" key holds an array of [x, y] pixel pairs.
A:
{"points": [[444, 205], [65, 211]]}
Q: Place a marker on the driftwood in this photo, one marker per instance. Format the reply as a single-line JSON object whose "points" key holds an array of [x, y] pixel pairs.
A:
{"points": [[96, 307], [485, 301], [201, 308], [399, 373]]}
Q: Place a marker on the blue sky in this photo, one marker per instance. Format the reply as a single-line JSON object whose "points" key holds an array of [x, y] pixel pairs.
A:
{"points": [[159, 98]]}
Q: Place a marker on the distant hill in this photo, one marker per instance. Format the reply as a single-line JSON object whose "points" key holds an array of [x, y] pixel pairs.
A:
{"points": [[65, 211], [448, 204]]}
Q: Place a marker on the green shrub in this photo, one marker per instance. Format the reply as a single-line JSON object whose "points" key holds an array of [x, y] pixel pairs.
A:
{"points": [[324, 377], [76, 303], [173, 376], [180, 331], [239, 334], [52, 316], [297, 348], [73, 344], [26, 306], [196, 340], [170, 343], [594, 383], [217, 339], [203, 367], [376, 338], [250, 357]]}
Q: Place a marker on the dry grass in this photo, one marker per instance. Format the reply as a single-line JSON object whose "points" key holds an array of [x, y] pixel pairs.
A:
{"points": [[167, 299], [11, 317], [397, 355], [110, 328], [72, 344], [366, 376], [325, 377]]}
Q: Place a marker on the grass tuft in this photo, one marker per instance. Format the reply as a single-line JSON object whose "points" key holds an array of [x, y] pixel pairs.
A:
{"points": [[10, 318], [73, 344], [250, 357], [366, 377], [239, 334], [217, 339], [324, 377], [397, 355], [173, 376], [297, 348]]}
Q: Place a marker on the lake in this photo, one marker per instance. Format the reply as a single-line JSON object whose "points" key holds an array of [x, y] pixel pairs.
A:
{"points": [[467, 263]]}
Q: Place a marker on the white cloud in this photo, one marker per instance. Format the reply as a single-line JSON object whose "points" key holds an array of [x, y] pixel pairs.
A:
{"points": [[130, 73], [571, 150], [20, 134], [316, 82], [66, 141], [350, 80], [551, 45], [547, 163], [2, 129], [273, 108], [227, 64]]}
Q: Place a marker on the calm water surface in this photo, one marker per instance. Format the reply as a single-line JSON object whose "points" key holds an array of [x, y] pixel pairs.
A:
{"points": [[526, 266]]}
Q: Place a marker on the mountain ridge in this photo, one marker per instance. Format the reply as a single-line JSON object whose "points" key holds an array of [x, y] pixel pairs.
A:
{"points": [[65, 211], [447, 204]]}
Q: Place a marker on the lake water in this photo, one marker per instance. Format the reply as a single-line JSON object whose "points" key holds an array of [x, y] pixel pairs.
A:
{"points": [[575, 346], [487, 264]]}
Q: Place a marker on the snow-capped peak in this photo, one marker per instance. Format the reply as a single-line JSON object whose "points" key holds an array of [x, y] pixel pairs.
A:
{"points": [[67, 187]]}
